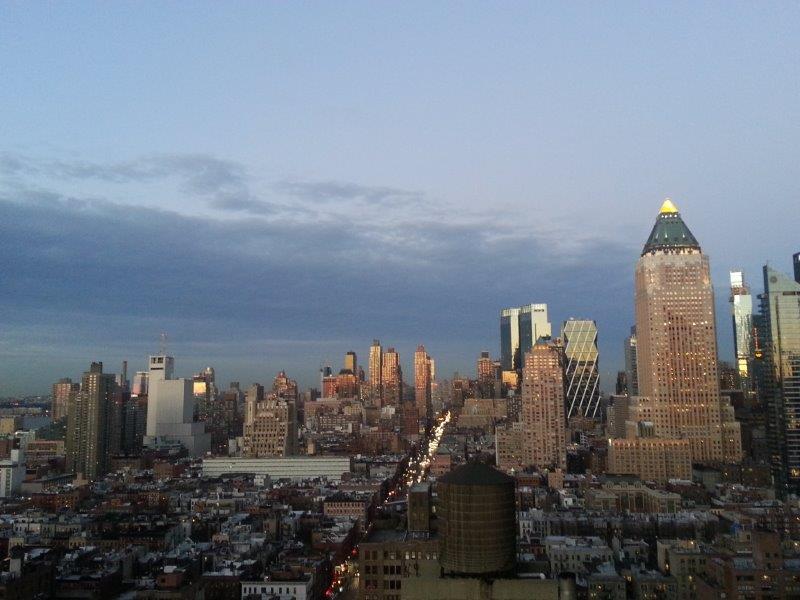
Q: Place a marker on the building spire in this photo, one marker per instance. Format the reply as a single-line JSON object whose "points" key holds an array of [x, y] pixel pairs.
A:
{"points": [[668, 207]]}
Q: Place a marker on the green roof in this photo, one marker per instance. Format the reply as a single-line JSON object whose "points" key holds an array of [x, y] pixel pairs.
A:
{"points": [[670, 233]]}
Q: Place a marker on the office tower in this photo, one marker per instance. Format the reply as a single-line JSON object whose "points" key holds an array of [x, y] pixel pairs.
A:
{"points": [[796, 261], [676, 337], [375, 364], [88, 430], [742, 316], [677, 361], [64, 392], [351, 362], [270, 424], [422, 382], [780, 367], [519, 329], [171, 410], [631, 368], [391, 378], [581, 375], [543, 416]]}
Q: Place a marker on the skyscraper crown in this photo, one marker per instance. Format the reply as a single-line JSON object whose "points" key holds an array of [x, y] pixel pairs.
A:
{"points": [[670, 233]]}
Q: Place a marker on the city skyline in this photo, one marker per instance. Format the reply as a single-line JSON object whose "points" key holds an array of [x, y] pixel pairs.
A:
{"points": [[289, 193]]}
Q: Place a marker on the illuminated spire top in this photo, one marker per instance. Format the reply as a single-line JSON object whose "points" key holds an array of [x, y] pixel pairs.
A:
{"points": [[668, 207], [670, 234]]}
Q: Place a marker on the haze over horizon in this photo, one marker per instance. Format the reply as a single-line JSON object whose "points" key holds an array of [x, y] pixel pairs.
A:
{"points": [[274, 185]]}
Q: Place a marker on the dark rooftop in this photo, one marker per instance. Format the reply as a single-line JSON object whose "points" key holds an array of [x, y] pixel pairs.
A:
{"points": [[476, 473]]}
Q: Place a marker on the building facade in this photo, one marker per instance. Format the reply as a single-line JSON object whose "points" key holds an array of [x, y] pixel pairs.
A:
{"points": [[519, 329], [543, 414], [581, 374], [171, 410], [422, 382], [742, 317], [88, 428], [64, 392], [780, 315], [631, 363]]}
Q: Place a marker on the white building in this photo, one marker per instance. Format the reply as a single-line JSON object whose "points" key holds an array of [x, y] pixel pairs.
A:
{"points": [[299, 589], [12, 471], [290, 467], [171, 410]]}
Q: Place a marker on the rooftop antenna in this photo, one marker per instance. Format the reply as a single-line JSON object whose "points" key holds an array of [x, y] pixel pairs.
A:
{"points": [[162, 348]]}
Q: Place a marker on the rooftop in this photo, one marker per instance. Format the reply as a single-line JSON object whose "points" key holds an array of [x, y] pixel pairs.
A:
{"points": [[670, 233], [476, 473]]}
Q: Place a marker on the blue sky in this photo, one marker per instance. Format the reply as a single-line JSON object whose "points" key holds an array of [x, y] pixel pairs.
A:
{"points": [[276, 184]]}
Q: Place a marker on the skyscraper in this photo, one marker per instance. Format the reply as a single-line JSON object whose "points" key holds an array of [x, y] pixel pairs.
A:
{"points": [[676, 358], [88, 430], [64, 392], [422, 382], [545, 443], [171, 410], [391, 378], [631, 363], [780, 312], [376, 370], [581, 375], [742, 316], [519, 329], [676, 336]]}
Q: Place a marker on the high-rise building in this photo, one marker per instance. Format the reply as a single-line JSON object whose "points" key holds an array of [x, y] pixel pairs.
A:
{"points": [[270, 424], [742, 316], [676, 355], [780, 370], [796, 261], [422, 382], [88, 426], [581, 375], [631, 375], [375, 372], [519, 329], [545, 442], [351, 362], [375, 363], [64, 392], [391, 378], [171, 410]]}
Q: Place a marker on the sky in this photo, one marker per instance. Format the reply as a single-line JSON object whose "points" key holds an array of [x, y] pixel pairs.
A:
{"points": [[274, 184]]}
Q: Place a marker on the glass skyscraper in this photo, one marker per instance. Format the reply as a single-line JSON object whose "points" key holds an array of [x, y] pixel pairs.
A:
{"points": [[519, 329], [742, 314], [581, 375], [780, 351]]}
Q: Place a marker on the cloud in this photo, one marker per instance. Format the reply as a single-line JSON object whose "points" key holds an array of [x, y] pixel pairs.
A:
{"points": [[128, 272], [336, 191], [196, 173]]}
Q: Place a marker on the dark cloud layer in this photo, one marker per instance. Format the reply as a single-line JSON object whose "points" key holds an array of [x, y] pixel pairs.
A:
{"points": [[120, 268]]}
